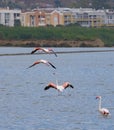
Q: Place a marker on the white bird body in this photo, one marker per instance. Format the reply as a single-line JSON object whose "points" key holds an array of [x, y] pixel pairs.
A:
{"points": [[60, 88], [44, 61], [103, 111]]}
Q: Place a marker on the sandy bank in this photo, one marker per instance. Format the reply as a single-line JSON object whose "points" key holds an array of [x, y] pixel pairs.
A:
{"points": [[52, 43]]}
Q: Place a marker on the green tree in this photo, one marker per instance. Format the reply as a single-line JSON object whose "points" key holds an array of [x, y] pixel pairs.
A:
{"points": [[57, 3]]}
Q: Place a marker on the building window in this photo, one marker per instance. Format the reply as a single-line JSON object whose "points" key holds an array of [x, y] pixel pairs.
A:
{"points": [[0, 18], [85, 15], [16, 15], [110, 17], [7, 18], [32, 20]]}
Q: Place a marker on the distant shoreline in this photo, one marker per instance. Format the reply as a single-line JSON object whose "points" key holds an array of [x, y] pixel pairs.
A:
{"points": [[52, 43]]}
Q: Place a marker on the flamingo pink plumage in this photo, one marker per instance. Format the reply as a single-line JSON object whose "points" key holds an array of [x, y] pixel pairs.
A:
{"points": [[58, 87], [42, 61], [46, 50], [103, 111]]}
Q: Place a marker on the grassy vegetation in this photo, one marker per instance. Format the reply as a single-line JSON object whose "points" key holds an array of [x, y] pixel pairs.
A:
{"points": [[58, 33]]}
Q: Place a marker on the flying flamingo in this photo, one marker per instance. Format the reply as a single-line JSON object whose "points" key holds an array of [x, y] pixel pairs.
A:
{"points": [[42, 61], [58, 87], [49, 50], [103, 111]]}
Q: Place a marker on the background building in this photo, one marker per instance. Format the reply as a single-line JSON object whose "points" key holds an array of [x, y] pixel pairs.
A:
{"points": [[9, 17], [85, 17]]}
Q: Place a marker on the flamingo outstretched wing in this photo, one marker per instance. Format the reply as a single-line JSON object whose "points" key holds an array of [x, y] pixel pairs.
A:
{"points": [[50, 85], [66, 85], [35, 63], [35, 50]]}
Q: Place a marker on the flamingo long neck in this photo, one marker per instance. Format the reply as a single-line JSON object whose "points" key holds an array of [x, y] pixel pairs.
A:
{"points": [[99, 103]]}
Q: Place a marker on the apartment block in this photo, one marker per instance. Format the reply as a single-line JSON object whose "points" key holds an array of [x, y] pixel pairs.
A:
{"points": [[109, 17], [8, 17], [54, 18]]}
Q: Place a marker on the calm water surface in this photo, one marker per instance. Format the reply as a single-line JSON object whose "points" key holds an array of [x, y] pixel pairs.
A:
{"points": [[24, 105]]}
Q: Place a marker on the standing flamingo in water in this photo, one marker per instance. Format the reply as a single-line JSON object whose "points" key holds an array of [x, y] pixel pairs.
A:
{"points": [[103, 111], [58, 87], [49, 50]]}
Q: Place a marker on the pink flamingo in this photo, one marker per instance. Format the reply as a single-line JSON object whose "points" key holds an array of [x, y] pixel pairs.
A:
{"points": [[103, 111], [58, 87], [49, 50], [42, 61]]}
